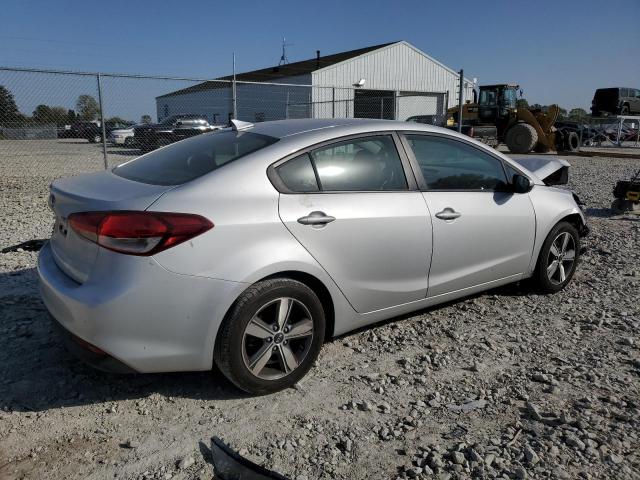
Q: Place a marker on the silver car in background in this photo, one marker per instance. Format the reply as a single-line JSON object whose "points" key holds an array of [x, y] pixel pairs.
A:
{"points": [[249, 247]]}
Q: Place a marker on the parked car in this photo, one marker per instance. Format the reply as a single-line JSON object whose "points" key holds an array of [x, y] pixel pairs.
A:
{"points": [[90, 131], [616, 101], [248, 248], [123, 136], [172, 129]]}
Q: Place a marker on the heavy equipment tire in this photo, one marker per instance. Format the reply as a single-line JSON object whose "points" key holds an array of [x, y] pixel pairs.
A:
{"points": [[264, 345], [572, 142], [521, 138]]}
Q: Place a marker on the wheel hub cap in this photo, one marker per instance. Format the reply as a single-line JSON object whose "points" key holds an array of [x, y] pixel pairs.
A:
{"points": [[561, 259], [277, 339]]}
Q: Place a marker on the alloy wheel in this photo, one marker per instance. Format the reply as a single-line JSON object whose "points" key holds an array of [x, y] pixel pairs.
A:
{"points": [[277, 339], [561, 258]]}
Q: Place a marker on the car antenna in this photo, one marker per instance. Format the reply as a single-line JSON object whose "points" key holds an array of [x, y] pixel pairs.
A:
{"points": [[238, 125]]}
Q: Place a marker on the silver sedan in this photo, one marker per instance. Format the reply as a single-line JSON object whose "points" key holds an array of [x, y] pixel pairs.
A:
{"points": [[248, 248]]}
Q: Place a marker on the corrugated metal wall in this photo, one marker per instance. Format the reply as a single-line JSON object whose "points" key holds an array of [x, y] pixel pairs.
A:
{"points": [[398, 67], [256, 102]]}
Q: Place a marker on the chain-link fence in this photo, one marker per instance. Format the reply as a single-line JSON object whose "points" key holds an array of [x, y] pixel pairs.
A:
{"points": [[56, 123], [607, 133]]}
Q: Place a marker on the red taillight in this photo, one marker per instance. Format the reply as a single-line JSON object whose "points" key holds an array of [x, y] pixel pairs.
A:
{"points": [[138, 233]]}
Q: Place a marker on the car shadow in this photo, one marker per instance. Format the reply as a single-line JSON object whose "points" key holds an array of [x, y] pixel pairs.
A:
{"points": [[600, 212], [38, 374]]}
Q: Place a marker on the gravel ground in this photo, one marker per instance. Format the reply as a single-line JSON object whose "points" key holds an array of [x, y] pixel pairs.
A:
{"points": [[507, 384]]}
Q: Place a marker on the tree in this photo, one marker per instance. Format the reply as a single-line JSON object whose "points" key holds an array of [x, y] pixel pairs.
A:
{"points": [[9, 113], [117, 121], [44, 114], [88, 108], [577, 113], [145, 119]]}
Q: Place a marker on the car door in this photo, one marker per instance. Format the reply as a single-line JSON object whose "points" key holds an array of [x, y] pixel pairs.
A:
{"points": [[349, 203], [481, 231]]}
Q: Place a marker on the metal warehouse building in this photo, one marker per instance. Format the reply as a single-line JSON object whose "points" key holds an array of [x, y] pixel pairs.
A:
{"points": [[391, 81]]}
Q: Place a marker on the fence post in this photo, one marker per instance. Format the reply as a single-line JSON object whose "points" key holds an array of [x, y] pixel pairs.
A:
{"points": [[286, 111], [618, 142], [396, 106], [460, 100], [104, 130], [333, 102], [235, 106]]}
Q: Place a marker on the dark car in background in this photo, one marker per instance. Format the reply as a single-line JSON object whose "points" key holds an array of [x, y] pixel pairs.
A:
{"points": [[616, 101], [172, 129]]}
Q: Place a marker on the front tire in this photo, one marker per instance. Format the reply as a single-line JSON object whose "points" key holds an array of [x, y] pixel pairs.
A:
{"points": [[271, 337], [558, 258], [521, 138]]}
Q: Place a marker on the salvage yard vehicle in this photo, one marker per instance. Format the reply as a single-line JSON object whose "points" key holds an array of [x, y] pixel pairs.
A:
{"points": [[496, 119], [616, 101], [172, 129], [122, 136], [91, 131], [248, 248]]}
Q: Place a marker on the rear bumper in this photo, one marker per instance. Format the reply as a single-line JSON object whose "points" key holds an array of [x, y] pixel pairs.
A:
{"points": [[88, 353], [137, 313]]}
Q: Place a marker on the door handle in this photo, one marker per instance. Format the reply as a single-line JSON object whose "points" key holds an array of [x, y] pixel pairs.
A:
{"points": [[316, 218], [448, 214]]}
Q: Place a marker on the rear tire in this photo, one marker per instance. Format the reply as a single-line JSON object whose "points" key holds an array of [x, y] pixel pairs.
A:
{"points": [[521, 138], [572, 142], [558, 260], [260, 353]]}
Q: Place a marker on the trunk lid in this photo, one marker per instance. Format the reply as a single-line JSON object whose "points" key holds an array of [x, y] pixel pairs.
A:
{"points": [[551, 170], [93, 192]]}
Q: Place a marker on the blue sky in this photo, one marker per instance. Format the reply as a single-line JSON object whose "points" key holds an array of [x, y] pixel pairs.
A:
{"points": [[559, 51]]}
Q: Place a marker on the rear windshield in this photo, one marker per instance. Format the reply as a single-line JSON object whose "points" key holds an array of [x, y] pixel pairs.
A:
{"points": [[184, 161]]}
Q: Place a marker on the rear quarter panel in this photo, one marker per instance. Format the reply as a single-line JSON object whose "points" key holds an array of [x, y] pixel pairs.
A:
{"points": [[248, 241]]}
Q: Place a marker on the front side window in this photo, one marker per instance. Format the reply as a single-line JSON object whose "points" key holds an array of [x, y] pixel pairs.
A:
{"points": [[448, 164], [184, 161], [488, 97], [364, 164]]}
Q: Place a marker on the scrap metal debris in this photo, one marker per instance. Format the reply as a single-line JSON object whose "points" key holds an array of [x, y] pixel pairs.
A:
{"points": [[28, 246], [230, 465]]}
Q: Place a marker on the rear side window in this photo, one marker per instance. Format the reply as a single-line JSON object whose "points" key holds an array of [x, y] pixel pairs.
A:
{"points": [[297, 174], [184, 161], [363, 164], [448, 164]]}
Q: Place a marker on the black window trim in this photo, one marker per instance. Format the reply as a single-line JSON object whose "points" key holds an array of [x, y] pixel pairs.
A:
{"points": [[422, 184], [410, 176]]}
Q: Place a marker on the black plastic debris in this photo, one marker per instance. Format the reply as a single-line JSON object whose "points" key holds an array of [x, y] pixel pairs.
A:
{"points": [[28, 246], [230, 465]]}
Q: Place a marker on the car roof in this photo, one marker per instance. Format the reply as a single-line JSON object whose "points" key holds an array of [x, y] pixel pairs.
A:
{"points": [[340, 126]]}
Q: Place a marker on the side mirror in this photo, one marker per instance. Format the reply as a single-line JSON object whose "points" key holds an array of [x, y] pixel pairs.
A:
{"points": [[521, 184]]}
